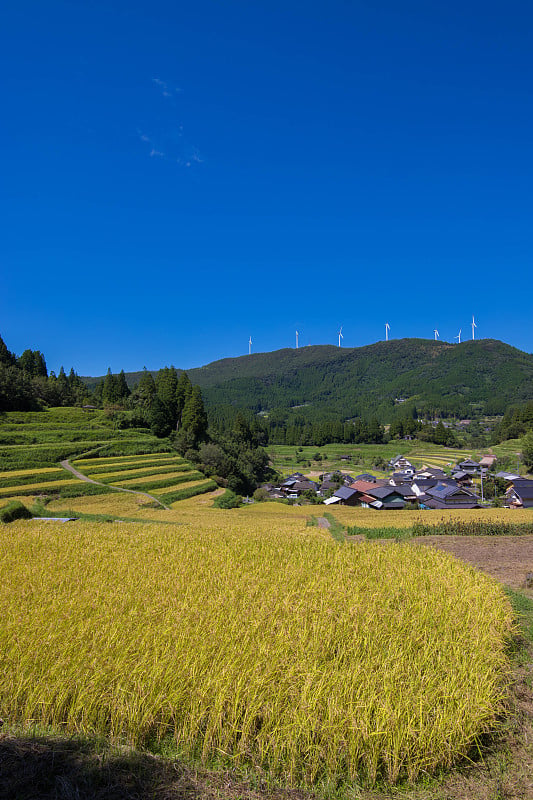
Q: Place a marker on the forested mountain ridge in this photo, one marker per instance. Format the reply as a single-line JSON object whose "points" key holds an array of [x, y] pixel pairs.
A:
{"points": [[484, 376]]}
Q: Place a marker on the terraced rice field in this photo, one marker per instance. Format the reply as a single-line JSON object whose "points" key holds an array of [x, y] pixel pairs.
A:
{"points": [[31, 482], [167, 476]]}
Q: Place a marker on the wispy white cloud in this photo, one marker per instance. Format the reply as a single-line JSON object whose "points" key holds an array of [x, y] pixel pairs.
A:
{"points": [[166, 90], [171, 143]]}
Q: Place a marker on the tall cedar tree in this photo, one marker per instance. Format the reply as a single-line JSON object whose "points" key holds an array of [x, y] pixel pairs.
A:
{"points": [[194, 418]]}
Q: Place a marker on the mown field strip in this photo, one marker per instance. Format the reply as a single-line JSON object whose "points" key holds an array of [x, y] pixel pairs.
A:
{"points": [[363, 662]]}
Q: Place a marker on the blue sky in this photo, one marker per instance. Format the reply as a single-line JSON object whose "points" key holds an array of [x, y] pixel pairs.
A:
{"points": [[178, 177]]}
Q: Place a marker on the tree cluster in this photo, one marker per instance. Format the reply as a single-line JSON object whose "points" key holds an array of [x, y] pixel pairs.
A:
{"points": [[25, 384], [517, 421], [234, 458]]}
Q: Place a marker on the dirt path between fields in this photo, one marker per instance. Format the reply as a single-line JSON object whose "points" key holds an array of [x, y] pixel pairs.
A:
{"points": [[66, 465]]}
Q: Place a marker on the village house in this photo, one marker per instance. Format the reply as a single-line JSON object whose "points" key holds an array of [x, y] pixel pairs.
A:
{"points": [[488, 461], [520, 494], [444, 495], [401, 464], [469, 466]]}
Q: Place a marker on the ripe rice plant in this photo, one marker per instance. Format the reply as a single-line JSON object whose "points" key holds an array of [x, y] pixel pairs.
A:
{"points": [[161, 482], [191, 490], [95, 462], [119, 470], [284, 651], [15, 473], [34, 476], [35, 488], [122, 476]]}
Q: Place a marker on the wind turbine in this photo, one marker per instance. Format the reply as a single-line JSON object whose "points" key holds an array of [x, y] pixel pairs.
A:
{"points": [[473, 326], [340, 335], [250, 346], [297, 340], [459, 336], [387, 329], [436, 334]]}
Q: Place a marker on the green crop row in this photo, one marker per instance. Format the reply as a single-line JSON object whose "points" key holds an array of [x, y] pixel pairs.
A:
{"points": [[161, 484], [185, 493]]}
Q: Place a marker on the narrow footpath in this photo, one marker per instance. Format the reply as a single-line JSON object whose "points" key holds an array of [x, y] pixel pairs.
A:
{"points": [[68, 466]]}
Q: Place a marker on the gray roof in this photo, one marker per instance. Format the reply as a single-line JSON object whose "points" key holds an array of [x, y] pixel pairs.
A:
{"points": [[365, 476], [345, 493], [442, 491], [405, 491], [438, 504], [302, 486], [523, 488], [382, 491]]}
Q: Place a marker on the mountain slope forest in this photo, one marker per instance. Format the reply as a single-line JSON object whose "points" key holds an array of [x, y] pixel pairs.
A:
{"points": [[322, 389], [387, 380]]}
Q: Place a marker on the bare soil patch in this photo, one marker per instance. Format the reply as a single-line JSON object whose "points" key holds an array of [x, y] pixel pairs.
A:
{"points": [[506, 558]]}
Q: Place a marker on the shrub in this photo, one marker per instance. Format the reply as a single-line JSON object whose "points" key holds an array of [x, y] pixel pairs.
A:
{"points": [[14, 510], [260, 495], [228, 500]]}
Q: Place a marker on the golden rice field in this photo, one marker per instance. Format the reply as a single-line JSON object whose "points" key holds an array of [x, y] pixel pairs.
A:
{"points": [[20, 473], [12, 490], [252, 637], [368, 518], [140, 458], [149, 478]]}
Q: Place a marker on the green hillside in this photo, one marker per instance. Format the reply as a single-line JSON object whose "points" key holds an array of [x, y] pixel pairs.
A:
{"points": [[482, 376]]}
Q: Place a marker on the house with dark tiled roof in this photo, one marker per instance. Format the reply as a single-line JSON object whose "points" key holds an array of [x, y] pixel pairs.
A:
{"points": [[345, 496], [365, 476], [386, 497], [469, 466], [399, 478], [520, 494], [462, 478], [444, 495]]}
